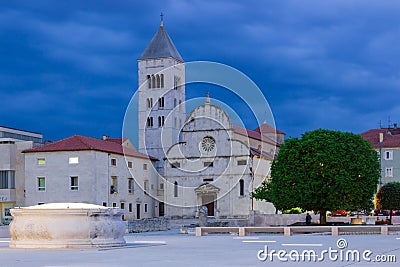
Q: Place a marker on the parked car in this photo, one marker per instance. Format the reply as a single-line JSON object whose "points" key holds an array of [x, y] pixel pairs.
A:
{"points": [[359, 212], [337, 213]]}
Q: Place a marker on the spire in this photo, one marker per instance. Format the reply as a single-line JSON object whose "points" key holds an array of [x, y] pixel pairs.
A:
{"points": [[161, 46], [208, 98]]}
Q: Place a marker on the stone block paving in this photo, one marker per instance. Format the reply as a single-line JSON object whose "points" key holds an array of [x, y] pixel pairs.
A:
{"points": [[170, 248]]}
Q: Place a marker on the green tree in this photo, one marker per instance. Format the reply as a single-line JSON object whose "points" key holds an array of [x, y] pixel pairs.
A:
{"points": [[323, 170], [388, 197]]}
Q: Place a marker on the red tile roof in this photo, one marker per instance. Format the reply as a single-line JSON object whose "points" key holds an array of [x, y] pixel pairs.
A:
{"points": [[260, 153], [79, 143], [117, 140], [253, 134], [266, 128], [391, 137]]}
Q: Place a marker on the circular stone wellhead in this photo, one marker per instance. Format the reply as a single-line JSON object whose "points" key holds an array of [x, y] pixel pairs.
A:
{"points": [[66, 225]]}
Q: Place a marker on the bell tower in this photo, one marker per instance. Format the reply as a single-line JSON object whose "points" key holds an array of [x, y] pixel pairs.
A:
{"points": [[161, 96]]}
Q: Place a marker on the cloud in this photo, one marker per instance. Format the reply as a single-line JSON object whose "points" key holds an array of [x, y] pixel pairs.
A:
{"points": [[320, 63]]}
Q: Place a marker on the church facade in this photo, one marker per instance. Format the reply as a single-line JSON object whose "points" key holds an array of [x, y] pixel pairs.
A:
{"points": [[204, 160]]}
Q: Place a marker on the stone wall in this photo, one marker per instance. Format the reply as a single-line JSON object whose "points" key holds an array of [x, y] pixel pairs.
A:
{"points": [[148, 225]]}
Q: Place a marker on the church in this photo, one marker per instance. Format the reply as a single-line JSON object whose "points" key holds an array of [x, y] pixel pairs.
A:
{"points": [[203, 158]]}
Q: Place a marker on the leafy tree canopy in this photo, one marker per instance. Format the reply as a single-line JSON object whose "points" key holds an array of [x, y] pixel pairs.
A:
{"points": [[323, 170], [388, 196]]}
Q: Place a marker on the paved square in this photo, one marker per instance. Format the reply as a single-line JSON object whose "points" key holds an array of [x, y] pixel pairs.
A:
{"points": [[173, 249]]}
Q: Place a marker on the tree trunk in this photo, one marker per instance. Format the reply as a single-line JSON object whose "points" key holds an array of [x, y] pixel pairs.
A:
{"points": [[390, 217], [322, 217]]}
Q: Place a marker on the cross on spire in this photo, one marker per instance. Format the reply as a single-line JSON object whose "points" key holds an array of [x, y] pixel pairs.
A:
{"points": [[161, 19]]}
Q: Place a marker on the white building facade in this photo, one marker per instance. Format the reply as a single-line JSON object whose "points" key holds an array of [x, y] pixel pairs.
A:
{"points": [[103, 172], [12, 167]]}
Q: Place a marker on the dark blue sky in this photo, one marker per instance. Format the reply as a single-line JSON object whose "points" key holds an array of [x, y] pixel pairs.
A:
{"points": [[69, 67]]}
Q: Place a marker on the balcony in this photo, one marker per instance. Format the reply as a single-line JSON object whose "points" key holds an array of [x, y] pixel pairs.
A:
{"points": [[7, 195]]}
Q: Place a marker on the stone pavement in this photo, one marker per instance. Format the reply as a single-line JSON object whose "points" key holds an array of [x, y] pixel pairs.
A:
{"points": [[169, 248]]}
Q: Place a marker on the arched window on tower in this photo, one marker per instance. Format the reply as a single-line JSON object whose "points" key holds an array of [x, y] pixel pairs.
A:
{"points": [[150, 122], [149, 103], [162, 121], [158, 80], [241, 187], [175, 189], [175, 102], [159, 121], [149, 81], [153, 81], [161, 102], [162, 80], [176, 82]]}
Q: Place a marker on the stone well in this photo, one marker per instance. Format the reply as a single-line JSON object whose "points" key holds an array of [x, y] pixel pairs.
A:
{"points": [[66, 225]]}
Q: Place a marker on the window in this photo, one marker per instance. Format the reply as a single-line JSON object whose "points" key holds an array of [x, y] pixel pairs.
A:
{"points": [[149, 102], [145, 166], [130, 164], [158, 81], [207, 144], [74, 183], [161, 102], [122, 205], [130, 185], [208, 164], [150, 122], [208, 179], [176, 82], [175, 165], [7, 179], [114, 162], [175, 102], [41, 161], [162, 80], [389, 172], [241, 187], [130, 209], [114, 205], [41, 182], [389, 155], [7, 212], [161, 186], [161, 121], [104, 204], [175, 189], [149, 81], [242, 162], [73, 160], [145, 207], [114, 185], [153, 81]]}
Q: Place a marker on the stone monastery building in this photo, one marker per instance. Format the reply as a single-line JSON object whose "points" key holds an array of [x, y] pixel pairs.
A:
{"points": [[203, 158], [183, 162]]}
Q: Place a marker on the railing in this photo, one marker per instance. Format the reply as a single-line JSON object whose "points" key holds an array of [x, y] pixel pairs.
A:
{"points": [[289, 230]]}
